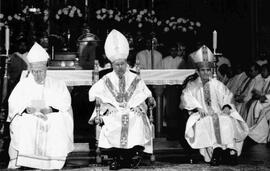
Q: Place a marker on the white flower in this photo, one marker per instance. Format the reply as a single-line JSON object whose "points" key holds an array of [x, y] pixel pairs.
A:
{"points": [[98, 11], [170, 24], [59, 12], [167, 21], [79, 14], [134, 10], [103, 10], [110, 12], [98, 17], [172, 18], [129, 21], [9, 18], [198, 24], [192, 23], [179, 20], [46, 12], [159, 23], [190, 28], [184, 29], [1, 16], [71, 15], [73, 8], [57, 17], [65, 11], [140, 25], [153, 12], [166, 29]]}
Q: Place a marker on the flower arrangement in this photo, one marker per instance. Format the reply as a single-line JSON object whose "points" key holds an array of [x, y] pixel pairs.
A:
{"points": [[143, 18], [109, 14], [69, 12], [181, 24]]}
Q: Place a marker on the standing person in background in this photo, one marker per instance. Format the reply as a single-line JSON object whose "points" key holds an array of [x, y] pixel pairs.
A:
{"points": [[145, 57], [40, 116], [214, 126], [18, 62], [172, 94]]}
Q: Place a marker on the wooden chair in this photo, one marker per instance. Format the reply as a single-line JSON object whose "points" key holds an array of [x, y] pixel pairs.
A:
{"points": [[99, 74]]}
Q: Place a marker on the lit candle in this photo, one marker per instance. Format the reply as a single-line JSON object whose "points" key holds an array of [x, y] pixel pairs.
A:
{"points": [[7, 39], [214, 40]]}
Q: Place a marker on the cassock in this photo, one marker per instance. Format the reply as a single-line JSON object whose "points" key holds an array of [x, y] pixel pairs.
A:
{"points": [[216, 129], [124, 125], [39, 142], [259, 116]]}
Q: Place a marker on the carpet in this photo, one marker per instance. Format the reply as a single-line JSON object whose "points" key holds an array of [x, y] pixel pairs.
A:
{"points": [[180, 167]]}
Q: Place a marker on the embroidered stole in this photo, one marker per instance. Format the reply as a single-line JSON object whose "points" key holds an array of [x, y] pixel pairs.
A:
{"points": [[215, 118], [122, 97]]}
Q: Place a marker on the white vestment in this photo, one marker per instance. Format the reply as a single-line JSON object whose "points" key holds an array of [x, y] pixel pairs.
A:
{"points": [[170, 62], [216, 129], [246, 91], [123, 127], [36, 142], [145, 59], [259, 116]]}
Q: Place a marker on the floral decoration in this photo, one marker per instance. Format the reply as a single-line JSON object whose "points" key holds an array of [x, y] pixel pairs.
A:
{"points": [[181, 24], [70, 12], [109, 14], [143, 18]]}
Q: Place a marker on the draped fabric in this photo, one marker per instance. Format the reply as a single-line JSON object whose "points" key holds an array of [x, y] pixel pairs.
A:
{"points": [[259, 114], [246, 91], [36, 142], [216, 129], [123, 111]]}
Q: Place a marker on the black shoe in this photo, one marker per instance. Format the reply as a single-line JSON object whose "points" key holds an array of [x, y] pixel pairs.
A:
{"points": [[216, 157], [115, 165], [232, 157], [136, 160]]}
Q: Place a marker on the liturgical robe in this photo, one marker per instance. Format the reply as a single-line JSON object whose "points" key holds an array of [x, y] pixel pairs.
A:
{"points": [[259, 115], [124, 126], [216, 129], [39, 142]]}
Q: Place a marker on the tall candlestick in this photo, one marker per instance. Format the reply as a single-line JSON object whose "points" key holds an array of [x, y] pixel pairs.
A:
{"points": [[7, 39], [214, 40], [127, 4]]}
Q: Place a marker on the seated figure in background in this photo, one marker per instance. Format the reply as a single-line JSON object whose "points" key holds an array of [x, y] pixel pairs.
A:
{"points": [[258, 115], [214, 126], [126, 130], [40, 116]]}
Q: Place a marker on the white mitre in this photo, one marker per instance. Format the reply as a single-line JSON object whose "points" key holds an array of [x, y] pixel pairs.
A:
{"points": [[116, 46], [203, 57], [37, 56]]}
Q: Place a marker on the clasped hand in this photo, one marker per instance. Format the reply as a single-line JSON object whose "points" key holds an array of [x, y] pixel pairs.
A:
{"points": [[31, 110], [98, 120], [203, 113], [152, 102]]}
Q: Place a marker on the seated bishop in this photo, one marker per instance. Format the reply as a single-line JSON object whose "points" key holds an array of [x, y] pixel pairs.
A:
{"points": [[40, 116], [122, 96], [214, 126]]}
